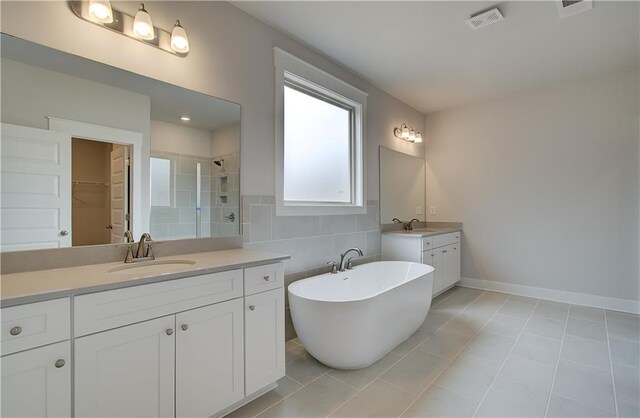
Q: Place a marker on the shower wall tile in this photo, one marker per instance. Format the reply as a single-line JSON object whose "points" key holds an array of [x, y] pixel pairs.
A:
{"points": [[342, 243], [308, 253], [295, 226], [373, 242], [337, 224], [369, 221]]}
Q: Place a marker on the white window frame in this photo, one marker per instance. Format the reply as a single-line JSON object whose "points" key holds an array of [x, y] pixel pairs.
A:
{"points": [[291, 69]]}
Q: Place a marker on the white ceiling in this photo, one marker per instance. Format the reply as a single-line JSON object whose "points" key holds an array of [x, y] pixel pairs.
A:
{"points": [[424, 53]]}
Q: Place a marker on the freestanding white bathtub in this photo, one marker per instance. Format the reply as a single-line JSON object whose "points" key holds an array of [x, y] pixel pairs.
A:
{"points": [[351, 319]]}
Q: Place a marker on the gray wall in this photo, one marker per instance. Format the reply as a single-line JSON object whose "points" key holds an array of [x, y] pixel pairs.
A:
{"points": [[546, 184]]}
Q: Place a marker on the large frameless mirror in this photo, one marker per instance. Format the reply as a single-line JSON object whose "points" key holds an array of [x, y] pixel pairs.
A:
{"points": [[89, 151]]}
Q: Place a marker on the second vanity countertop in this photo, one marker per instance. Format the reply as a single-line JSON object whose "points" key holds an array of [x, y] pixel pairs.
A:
{"points": [[424, 232], [33, 286]]}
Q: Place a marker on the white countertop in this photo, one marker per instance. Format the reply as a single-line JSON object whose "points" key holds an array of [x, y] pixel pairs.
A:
{"points": [[424, 232], [19, 288]]}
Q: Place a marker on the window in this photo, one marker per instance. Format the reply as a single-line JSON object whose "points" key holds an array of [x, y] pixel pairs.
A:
{"points": [[160, 181], [319, 141]]}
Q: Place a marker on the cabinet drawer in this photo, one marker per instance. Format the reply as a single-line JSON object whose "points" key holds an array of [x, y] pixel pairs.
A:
{"points": [[427, 243], [114, 308], [446, 239], [261, 278], [35, 324]]}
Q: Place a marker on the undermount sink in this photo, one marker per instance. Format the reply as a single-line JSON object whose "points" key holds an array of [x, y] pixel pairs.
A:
{"points": [[151, 266], [422, 230]]}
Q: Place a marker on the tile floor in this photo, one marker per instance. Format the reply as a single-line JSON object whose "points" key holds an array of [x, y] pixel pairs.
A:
{"points": [[480, 354]]}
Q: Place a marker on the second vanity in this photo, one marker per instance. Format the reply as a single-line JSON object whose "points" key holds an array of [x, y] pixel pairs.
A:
{"points": [[198, 337], [438, 247]]}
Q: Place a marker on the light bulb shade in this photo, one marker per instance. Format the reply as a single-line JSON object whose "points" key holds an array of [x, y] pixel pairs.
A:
{"points": [[418, 138], [101, 11], [142, 25], [412, 135], [179, 40], [405, 132]]}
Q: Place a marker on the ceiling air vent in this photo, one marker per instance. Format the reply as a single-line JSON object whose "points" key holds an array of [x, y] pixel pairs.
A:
{"points": [[485, 19], [568, 8]]}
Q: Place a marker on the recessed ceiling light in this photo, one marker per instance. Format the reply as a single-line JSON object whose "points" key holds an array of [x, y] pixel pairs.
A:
{"points": [[185, 118]]}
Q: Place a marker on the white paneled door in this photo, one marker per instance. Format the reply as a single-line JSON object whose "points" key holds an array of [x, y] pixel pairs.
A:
{"points": [[36, 188], [119, 192]]}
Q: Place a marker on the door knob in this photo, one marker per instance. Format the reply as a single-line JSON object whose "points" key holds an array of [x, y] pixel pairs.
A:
{"points": [[15, 330], [64, 232], [184, 327], [169, 331], [109, 226], [60, 363], [252, 307]]}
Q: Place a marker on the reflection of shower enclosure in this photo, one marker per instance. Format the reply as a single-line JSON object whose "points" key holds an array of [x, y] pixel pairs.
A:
{"points": [[193, 196]]}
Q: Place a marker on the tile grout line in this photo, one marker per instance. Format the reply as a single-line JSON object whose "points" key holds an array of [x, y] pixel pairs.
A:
{"points": [[475, 411], [409, 352], [457, 354], [613, 381], [555, 370], [292, 393]]}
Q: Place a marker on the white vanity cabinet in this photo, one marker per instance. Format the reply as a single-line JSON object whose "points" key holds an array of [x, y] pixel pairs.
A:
{"points": [[212, 346], [442, 252], [36, 360]]}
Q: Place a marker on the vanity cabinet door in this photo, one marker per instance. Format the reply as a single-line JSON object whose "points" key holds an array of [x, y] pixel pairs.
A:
{"points": [[264, 339], [37, 383], [440, 273], [453, 264], [209, 359], [127, 372]]}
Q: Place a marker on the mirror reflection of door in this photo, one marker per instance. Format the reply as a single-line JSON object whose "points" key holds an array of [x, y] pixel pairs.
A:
{"points": [[100, 192]]}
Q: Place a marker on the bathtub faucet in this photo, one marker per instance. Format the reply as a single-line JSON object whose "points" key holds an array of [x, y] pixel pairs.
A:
{"points": [[345, 263]]}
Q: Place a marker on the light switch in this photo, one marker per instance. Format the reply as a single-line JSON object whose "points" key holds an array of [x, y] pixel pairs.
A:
{"points": [[432, 210]]}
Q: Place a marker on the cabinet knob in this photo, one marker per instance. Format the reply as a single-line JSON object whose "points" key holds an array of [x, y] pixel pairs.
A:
{"points": [[169, 331], [60, 363], [455, 248], [252, 307], [184, 327], [15, 330], [64, 232], [444, 251], [266, 278]]}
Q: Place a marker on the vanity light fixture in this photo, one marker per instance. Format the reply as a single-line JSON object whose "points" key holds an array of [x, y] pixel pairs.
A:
{"points": [[101, 10], [185, 118], [142, 24], [407, 134], [179, 40], [139, 27]]}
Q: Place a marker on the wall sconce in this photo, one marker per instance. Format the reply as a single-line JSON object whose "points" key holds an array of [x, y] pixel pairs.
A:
{"points": [[140, 27], [407, 134]]}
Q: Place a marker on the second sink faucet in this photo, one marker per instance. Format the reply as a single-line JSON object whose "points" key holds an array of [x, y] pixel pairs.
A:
{"points": [[345, 263], [408, 226]]}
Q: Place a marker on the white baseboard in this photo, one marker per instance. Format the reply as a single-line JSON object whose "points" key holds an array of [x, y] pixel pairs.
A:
{"points": [[614, 304]]}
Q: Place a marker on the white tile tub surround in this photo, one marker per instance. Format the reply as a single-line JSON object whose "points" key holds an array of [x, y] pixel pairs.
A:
{"points": [[311, 241]]}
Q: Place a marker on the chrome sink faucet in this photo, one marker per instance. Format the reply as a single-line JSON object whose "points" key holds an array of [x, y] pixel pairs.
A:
{"points": [[143, 247], [143, 252], [345, 263], [408, 226]]}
